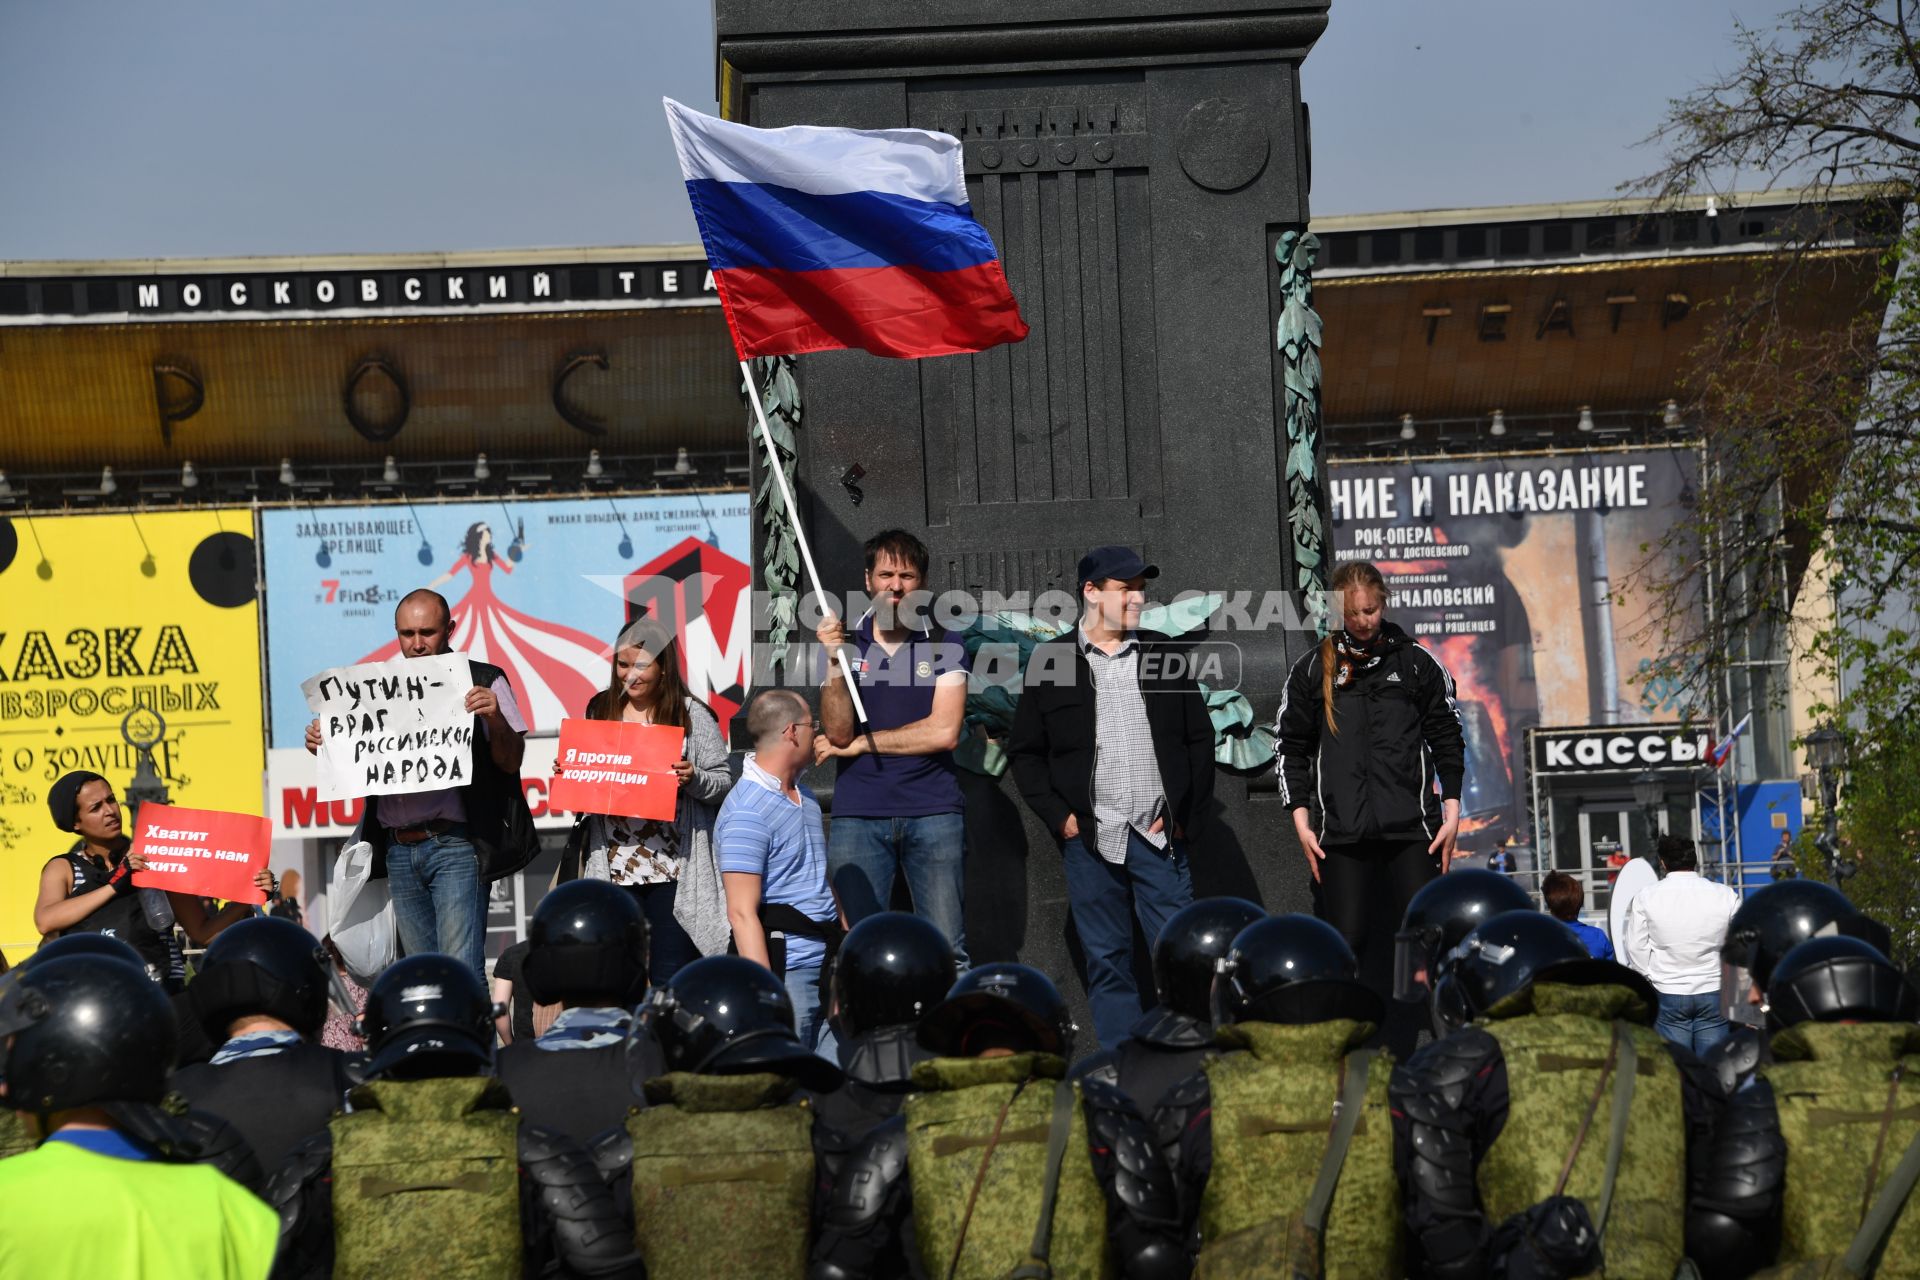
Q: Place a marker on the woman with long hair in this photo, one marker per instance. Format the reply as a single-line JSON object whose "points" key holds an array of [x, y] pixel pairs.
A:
{"points": [[1371, 760], [648, 857]]}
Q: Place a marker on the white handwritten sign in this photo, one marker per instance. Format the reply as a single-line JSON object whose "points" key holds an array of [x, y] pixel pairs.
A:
{"points": [[395, 727]]}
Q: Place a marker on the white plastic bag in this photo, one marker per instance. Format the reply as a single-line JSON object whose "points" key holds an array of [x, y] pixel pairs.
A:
{"points": [[361, 924]]}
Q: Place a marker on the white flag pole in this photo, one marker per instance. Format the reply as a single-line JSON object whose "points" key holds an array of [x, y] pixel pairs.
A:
{"points": [[799, 530]]}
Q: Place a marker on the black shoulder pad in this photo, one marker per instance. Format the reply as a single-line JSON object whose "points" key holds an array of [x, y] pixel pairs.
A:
{"points": [[1098, 1094], [1734, 1059], [1103, 1065], [1749, 1154], [300, 1193], [1435, 1080], [860, 1192], [588, 1233], [1178, 1108], [220, 1144], [1190, 1092], [193, 1137], [552, 1159], [305, 1165], [1126, 1156], [1733, 1216], [612, 1152]]}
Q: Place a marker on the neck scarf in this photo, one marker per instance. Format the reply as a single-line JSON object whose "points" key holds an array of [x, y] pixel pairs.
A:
{"points": [[1351, 656], [254, 1044], [586, 1028]]}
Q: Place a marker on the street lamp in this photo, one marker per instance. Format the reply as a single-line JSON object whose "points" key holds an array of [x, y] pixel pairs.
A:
{"points": [[1827, 753]]}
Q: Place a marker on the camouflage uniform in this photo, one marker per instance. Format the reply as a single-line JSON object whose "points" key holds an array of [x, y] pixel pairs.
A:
{"points": [[1253, 1129], [1116, 1212], [439, 1177], [1831, 1117], [13, 1134], [723, 1177], [1488, 1117]]}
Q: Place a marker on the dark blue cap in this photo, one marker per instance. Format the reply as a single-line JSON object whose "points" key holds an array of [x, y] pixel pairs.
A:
{"points": [[1122, 563]]}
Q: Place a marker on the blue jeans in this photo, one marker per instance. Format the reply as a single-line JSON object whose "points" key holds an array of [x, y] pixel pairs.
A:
{"points": [[669, 949], [864, 853], [439, 903], [809, 1014], [1103, 898], [1692, 1022]]}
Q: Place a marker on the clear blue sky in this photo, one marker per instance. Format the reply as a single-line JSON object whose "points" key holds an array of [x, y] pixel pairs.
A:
{"points": [[220, 127]]}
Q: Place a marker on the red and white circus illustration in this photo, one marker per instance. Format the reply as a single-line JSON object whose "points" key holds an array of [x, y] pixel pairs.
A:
{"points": [[556, 668]]}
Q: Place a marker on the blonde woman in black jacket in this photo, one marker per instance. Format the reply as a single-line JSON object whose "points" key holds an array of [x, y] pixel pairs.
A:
{"points": [[1371, 758]]}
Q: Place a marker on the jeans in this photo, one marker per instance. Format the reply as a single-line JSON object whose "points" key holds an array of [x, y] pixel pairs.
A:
{"points": [[439, 903], [1692, 1022], [669, 949], [1103, 898], [863, 854], [810, 1013]]}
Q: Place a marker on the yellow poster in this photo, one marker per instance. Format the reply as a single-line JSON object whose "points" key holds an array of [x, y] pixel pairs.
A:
{"points": [[118, 630]]}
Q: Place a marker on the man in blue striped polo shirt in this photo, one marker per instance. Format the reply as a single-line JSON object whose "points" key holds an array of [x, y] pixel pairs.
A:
{"points": [[772, 849]]}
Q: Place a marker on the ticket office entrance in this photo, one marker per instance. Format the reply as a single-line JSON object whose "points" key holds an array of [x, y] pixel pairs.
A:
{"points": [[1590, 825]]}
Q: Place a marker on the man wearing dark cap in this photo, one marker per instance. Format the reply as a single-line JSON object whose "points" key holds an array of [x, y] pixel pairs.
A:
{"points": [[90, 889], [1112, 749]]}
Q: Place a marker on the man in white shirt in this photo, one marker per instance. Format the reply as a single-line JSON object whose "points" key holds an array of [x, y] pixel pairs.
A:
{"points": [[1673, 934]]}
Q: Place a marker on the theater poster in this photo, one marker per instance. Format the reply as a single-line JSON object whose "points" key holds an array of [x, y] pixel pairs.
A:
{"points": [[538, 588], [1522, 575], [117, 630]]}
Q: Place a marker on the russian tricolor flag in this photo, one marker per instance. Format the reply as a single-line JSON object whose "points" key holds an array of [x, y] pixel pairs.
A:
{"points": [[821, 239]]}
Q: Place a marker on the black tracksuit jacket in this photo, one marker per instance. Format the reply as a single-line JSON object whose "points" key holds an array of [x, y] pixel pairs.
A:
{"points": [[1399, 731]]}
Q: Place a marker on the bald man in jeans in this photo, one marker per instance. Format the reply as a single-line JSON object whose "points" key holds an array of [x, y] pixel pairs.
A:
{"points": [[442, 847]]}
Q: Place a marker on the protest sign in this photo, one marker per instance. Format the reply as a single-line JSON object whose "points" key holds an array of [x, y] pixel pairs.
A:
{"points": [[203, 852], [612, 766], [161, 649], [536, 588], [393, 728]]}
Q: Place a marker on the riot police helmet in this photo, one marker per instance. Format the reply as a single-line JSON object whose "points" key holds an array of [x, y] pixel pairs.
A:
{"points": [[1191, 943], [83, 1030], [1502, 958], [1775, 919], [891, 968], [726, 1016], [261, 967], [427, 1016], [1838, 979], [87, 944], [1292, 969], [999, 1005], [1443, 912], [587, 945]]}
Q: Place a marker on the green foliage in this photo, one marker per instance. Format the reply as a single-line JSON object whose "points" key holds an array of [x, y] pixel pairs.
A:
{"points": [[1880, 832], [1298, 337], [1807, 389], [780, 568], [1805, 399]]}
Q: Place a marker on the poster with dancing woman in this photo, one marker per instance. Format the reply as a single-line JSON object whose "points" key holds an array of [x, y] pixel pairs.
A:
{"points": [[537, 588], [554, 667]]}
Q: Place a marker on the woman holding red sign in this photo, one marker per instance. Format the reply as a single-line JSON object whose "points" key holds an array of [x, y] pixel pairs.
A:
{"points": [[90, 889], [664, 865]]}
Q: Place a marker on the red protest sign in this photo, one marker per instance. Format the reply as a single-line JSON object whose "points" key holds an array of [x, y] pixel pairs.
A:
{"points": [[204, 852], [617, 767]]}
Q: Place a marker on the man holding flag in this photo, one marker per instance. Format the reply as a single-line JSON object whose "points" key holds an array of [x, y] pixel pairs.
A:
{"points": [[821, 239]]}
